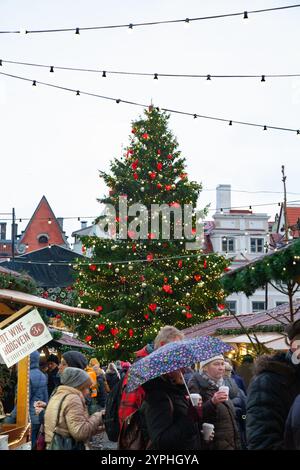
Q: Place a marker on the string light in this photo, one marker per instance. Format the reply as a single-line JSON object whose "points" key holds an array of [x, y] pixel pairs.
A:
{"points": [[171, 111], [244, 14], [149, 74]]}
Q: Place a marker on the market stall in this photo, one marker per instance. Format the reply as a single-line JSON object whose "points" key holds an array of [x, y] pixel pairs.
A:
{"points": [[10, 301]]}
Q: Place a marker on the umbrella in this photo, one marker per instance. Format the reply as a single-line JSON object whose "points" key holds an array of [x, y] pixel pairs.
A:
{"points": [[174, 356]]}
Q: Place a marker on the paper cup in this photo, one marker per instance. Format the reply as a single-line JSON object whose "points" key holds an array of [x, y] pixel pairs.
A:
{"points": [[224, 389], [207, 429], [195, 398]]}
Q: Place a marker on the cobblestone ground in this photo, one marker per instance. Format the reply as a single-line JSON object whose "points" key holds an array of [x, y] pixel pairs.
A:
{"points": [[101, 442]]}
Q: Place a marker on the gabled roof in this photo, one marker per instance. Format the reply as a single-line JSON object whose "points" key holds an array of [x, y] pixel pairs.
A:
{"points": [[38, 224]]}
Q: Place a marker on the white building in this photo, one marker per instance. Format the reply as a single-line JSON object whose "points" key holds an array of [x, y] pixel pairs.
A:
{"points": [[242, 236], [91, 231]]}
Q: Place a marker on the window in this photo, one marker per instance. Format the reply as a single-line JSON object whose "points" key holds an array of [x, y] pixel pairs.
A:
{"points": [[228, 244], [43, 239], [3, 231], [258, 306], [232, 306], [257, 245]]}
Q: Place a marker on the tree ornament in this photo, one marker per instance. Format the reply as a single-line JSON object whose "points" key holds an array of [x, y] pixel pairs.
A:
{"points": [[189, 315], [133, 130], [169, 157], [130, 267], [123, 279], [167, 289], [131, 332], [168, 187], [159, 166], [159, 185], [150, 257], [153, 307], [134, 248], [158, 152], [99, 308], [173, 186], [183, 311], [205, 264], [101, 327], [180, 263], [146, 316], [116, 345], [145, 136], [144, 285], [136, 176], [135, 164], [117, 270], [93, 267], [226, 270], [88, 338], [153, 175], [197, 277], [114, 331], [58, 317], [142, 189], [221, 307]]}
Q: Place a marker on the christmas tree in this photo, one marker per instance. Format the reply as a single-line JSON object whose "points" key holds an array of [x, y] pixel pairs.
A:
{"points": [[140, 283]]}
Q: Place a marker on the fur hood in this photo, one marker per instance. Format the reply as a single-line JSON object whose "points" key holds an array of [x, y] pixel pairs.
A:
{"points": [[277, 363]]}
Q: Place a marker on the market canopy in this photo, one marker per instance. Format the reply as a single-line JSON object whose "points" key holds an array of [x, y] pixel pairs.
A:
{"points": [[13, 296]]}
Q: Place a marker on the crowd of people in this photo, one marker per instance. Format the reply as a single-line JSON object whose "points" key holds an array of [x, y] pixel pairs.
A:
{"points": [[256, 406]]}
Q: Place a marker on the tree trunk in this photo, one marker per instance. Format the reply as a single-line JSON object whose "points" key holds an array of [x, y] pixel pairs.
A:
{"points": [[290, 295]]}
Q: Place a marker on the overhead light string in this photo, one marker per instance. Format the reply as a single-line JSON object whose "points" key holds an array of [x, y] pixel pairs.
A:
{"points": [[168, 110]]}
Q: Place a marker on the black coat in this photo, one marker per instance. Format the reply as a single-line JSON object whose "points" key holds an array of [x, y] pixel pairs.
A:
{"points": [[292, 427], [270, 396], [112, 379], [101, 392], [222, 416], [169, 427]]}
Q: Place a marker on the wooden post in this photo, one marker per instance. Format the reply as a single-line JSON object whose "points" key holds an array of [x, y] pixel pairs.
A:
{"points": [[23, 392]]}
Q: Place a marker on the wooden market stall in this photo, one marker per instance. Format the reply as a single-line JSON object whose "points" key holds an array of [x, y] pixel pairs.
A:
{"points": [[10, 301]]}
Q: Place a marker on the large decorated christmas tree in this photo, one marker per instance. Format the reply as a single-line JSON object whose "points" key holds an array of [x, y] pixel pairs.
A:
{"points": [[141, 278]]}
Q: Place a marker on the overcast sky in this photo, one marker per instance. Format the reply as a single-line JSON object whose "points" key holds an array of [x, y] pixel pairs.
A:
{"points": [[53, 143]]}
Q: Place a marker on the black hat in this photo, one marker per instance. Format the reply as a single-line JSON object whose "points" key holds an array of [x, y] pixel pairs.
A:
{"points": [[75, 359], [53, 358], [293, 329]]}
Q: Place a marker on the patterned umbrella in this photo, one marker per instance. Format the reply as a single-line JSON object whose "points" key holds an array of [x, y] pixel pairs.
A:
{"points": [[174, 356]]}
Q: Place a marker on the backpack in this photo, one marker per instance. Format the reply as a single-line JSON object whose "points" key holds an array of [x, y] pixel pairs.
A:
{"points": [[133, 433], [111, 417]]}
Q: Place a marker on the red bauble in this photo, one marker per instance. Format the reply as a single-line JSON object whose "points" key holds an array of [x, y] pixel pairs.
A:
{"points": [[83, 249], [226, 270], [142, 278], [150, 257], [151, 236], [152, 307], [158, 152], [183, 176], [131, 233], [114, 331], [45, 295], [101, 327], [221, 307], [123, 280], [165, 280], [159, 186], [189, 315], [133, 131], [136, 176], [135, 164], [180, 264], [168, 187], [159, 166], [116, 345], [205, 264], [169, 157], [174, 204], [93, 267], [131, 332], [145, 136], [146, 316], [167, 289], [99, 308], [194, 231], [153, 175], [188, 307], [133, 248], [58, 317], [88, 338], [197, 277]]}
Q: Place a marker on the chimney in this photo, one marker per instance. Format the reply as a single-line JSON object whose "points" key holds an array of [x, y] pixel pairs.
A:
{"points": [[83, 224], [60, 221], [223, 197]]}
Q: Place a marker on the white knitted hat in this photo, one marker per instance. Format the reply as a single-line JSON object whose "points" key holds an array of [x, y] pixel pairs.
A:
{"points": [[211, 359]]}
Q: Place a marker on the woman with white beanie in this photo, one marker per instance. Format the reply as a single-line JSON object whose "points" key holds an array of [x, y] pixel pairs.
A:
{"points": [[67, 413], [217, 407]]}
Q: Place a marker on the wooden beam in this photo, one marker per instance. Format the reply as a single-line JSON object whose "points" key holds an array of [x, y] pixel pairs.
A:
{"points": [[5, 309], [14, 316], [23, 392]]}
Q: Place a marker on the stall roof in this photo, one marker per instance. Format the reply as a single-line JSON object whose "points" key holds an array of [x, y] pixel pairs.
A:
{"points": [[67, 340], [28, 299]]}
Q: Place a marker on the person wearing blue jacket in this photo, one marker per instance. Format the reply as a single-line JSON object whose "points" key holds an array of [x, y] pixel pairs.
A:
{"points": [[38, 391]]}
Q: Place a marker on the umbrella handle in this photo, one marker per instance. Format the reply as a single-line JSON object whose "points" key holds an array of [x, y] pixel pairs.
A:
{"points": [[182, 376]]}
